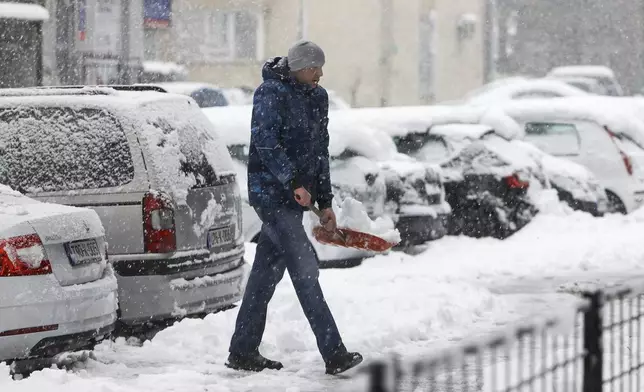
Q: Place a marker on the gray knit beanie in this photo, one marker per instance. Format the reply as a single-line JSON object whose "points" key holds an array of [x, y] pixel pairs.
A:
{"points": [[305, 54]]}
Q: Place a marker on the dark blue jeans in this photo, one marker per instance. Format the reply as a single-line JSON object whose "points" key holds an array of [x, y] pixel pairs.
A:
{"points": [[283, 244]]}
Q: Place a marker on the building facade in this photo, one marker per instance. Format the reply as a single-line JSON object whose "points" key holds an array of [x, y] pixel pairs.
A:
{"points": [[379, 52], [93, 41]]}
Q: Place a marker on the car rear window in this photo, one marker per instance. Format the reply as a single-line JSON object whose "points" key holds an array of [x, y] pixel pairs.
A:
{"points": [[185, 150], [47, 149], [554, 138]]}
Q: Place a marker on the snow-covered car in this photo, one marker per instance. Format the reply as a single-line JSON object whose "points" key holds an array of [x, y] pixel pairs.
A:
{"points": [[603, 75], [415, 193], [161, 182], [351, 175], [604, 134], [206, 95], [490, 186], [575, 184], [58, 292], [524, 89]]}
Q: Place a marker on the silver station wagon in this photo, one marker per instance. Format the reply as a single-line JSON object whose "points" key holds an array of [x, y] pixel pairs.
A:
{"points": [[161, 182]]}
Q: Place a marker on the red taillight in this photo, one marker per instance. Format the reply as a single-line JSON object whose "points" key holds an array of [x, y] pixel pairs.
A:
{"points": [[159, 234], [625, 158], [627, 162], [23, 256], [514, 182]]}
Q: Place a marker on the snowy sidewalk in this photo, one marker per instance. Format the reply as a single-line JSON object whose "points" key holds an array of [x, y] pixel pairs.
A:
{"points": [[408, 304]]}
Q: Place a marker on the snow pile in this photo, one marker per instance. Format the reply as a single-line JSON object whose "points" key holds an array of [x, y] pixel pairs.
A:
{"points": [[23, 11], [511, 91], [591, 71], [351, 214], [164, 68]]}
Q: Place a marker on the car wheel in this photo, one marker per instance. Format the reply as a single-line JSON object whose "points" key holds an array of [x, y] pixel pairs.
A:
{"points": [[615, 204]]}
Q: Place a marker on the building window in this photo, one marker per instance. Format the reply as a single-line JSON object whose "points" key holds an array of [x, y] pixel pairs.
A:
{"points": [[221, 36]]}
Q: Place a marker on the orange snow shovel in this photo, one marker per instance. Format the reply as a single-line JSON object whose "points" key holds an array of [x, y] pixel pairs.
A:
{"points": [[348, 238]]}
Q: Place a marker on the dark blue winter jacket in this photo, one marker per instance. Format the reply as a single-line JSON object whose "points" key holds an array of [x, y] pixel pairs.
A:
{"points": [[289, 140]]}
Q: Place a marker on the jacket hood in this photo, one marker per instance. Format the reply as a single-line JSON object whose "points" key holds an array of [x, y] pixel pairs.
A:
{"points": [[276, 68]]}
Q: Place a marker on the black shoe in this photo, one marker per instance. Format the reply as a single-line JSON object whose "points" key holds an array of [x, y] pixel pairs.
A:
{"points": [[254, 362], [342, 362]]}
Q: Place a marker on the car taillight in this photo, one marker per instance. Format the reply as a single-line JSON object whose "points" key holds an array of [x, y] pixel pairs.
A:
{"points": [[159, 234], [514, 182], [23, 256], [625, 158]]}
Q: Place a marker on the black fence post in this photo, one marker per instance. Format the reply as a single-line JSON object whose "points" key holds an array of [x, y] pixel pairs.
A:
{"points": [[377, 372], [593, 345]]}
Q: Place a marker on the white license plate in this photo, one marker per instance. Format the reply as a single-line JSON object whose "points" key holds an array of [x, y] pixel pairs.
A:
{"points": [[221, 237], [83, 252]]}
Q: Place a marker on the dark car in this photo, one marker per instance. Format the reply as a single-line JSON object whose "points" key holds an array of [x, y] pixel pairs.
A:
{"points": [[486, 184]]}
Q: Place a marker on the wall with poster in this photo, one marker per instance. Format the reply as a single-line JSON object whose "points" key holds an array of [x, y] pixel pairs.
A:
{"points": [[100, 40]]}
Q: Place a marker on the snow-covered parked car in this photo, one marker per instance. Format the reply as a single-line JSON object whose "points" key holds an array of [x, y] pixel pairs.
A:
{"points": [[604, 134], [161, 182], [491, 186], [602, 74], [415, 193], [57, 291], [352, 176], [524, 89], [574, 183]]}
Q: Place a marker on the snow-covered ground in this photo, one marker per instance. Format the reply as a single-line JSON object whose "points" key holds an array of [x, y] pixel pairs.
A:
{"points": [[457, 287]]}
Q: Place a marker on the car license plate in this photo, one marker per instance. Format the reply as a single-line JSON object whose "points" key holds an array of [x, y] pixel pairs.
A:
{"points": [[83, 252], [221, 237]]}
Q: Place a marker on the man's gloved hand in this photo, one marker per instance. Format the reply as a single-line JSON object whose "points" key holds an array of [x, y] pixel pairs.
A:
{"points": [[328, 219], [302, 197]]}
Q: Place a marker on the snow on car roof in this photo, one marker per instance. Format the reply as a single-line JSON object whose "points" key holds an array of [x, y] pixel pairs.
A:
{"points": [[506, 92], [402, 120], [23, 11], [233, 123], [164, 68], [84, 96], [584, 70], [461, 131], [619, 114]]}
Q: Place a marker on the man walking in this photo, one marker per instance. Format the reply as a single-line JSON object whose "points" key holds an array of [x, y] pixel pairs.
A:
{"points": [[288, 169]]}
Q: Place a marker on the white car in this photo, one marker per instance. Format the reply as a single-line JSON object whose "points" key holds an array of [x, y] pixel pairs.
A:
{"points": [[604, 134], [57, 291], [603, 75], [524, 89]]}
